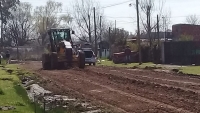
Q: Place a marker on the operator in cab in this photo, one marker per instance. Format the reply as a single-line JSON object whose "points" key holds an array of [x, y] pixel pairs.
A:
{"points": [[61, 45]]}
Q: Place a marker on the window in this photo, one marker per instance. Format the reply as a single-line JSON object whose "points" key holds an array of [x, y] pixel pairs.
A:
{"points": [[60, 35], [88, 54]]}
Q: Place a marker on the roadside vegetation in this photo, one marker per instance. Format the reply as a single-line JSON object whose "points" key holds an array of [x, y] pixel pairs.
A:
{"points": [[106, 62], [12, 94], [184, 69], [190, 70], [14, 97]]}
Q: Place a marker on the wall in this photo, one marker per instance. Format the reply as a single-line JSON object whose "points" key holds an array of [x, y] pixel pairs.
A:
{"points": [[26, 52], [182, 53], [186, 29]]}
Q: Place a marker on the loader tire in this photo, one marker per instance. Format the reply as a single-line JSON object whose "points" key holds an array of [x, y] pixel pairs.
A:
{"points": [[81, 62], [54, 61], [46, 61]]}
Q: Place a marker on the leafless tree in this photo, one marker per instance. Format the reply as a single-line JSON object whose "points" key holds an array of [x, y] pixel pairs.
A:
{"points": [[166, 20], [46, 17], [83, 16], [192, 19], [19, 27], [5, 13], [148, 10]]}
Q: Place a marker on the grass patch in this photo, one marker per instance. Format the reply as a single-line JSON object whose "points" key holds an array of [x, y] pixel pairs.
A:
{"points": [[1, 92], [13, 94], [110, 63], [3, 62], [19, 104], [190, 70]]}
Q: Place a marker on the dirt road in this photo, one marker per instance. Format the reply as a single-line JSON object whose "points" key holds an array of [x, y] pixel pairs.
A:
{"points": [[125, 90]]}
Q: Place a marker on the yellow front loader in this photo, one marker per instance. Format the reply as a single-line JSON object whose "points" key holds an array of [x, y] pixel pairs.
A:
{"points": [[61, 52]]}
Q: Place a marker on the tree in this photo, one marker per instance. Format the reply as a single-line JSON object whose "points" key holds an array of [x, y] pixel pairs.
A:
{"points": [[148, 8], [118, 37], [46, 17], [5, 13], [192, 19], [19, 27], [166, 20], [186, 38], [84, 19]]}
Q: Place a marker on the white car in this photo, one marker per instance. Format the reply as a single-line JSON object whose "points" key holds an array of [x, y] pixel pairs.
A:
{"points": [[90, 57]]}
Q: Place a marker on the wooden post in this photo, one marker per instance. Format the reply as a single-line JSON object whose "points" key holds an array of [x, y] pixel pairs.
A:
{"points": [[158, 32], [95, 30], [100, 44], [109, 43]]}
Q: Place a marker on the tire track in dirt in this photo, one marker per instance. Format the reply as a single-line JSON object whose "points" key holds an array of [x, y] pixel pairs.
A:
{"points": [[188, 85], [158, 107], [169, 95], [97, 91], [194, 87], [57, 87], [156, 103], [83, 81]]}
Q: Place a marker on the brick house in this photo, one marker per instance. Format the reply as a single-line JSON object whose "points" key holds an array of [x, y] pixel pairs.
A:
{"points": [[186, 29]]}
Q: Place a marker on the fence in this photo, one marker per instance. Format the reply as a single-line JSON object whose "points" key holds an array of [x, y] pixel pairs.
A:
{"points": [[182, 53], [26, 52]]}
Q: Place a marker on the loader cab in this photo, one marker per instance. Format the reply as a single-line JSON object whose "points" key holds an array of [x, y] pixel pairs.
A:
{"points": [[58, 35]]}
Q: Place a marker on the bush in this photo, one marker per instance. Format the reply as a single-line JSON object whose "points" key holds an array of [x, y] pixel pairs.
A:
{"points": [[132, 46], [1, 92]]}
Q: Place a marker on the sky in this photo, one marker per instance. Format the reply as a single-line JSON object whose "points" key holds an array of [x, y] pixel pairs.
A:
{"points": [[125, 16]]}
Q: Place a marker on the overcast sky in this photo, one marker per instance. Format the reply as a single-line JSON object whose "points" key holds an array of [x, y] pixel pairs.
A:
{"points": [[122, 13]]}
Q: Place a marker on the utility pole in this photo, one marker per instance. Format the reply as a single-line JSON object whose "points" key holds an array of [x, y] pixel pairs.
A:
{"points": [[158, 32], [158, 38], [100, 44], [109, 42], [164, 27], [115, 28], [95, 30], [43, 26], [90, 37], [138, 33]]}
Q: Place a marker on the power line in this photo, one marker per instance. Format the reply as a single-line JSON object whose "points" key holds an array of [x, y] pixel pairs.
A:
{"points": [[112, 5], [117, 4], [118, 17]]}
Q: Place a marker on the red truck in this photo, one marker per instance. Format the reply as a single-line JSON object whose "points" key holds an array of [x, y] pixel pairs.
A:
{"points": [[120, 57]]}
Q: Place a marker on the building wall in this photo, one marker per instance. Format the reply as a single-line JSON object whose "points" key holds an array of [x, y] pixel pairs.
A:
{"points": [[186, 29]]}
